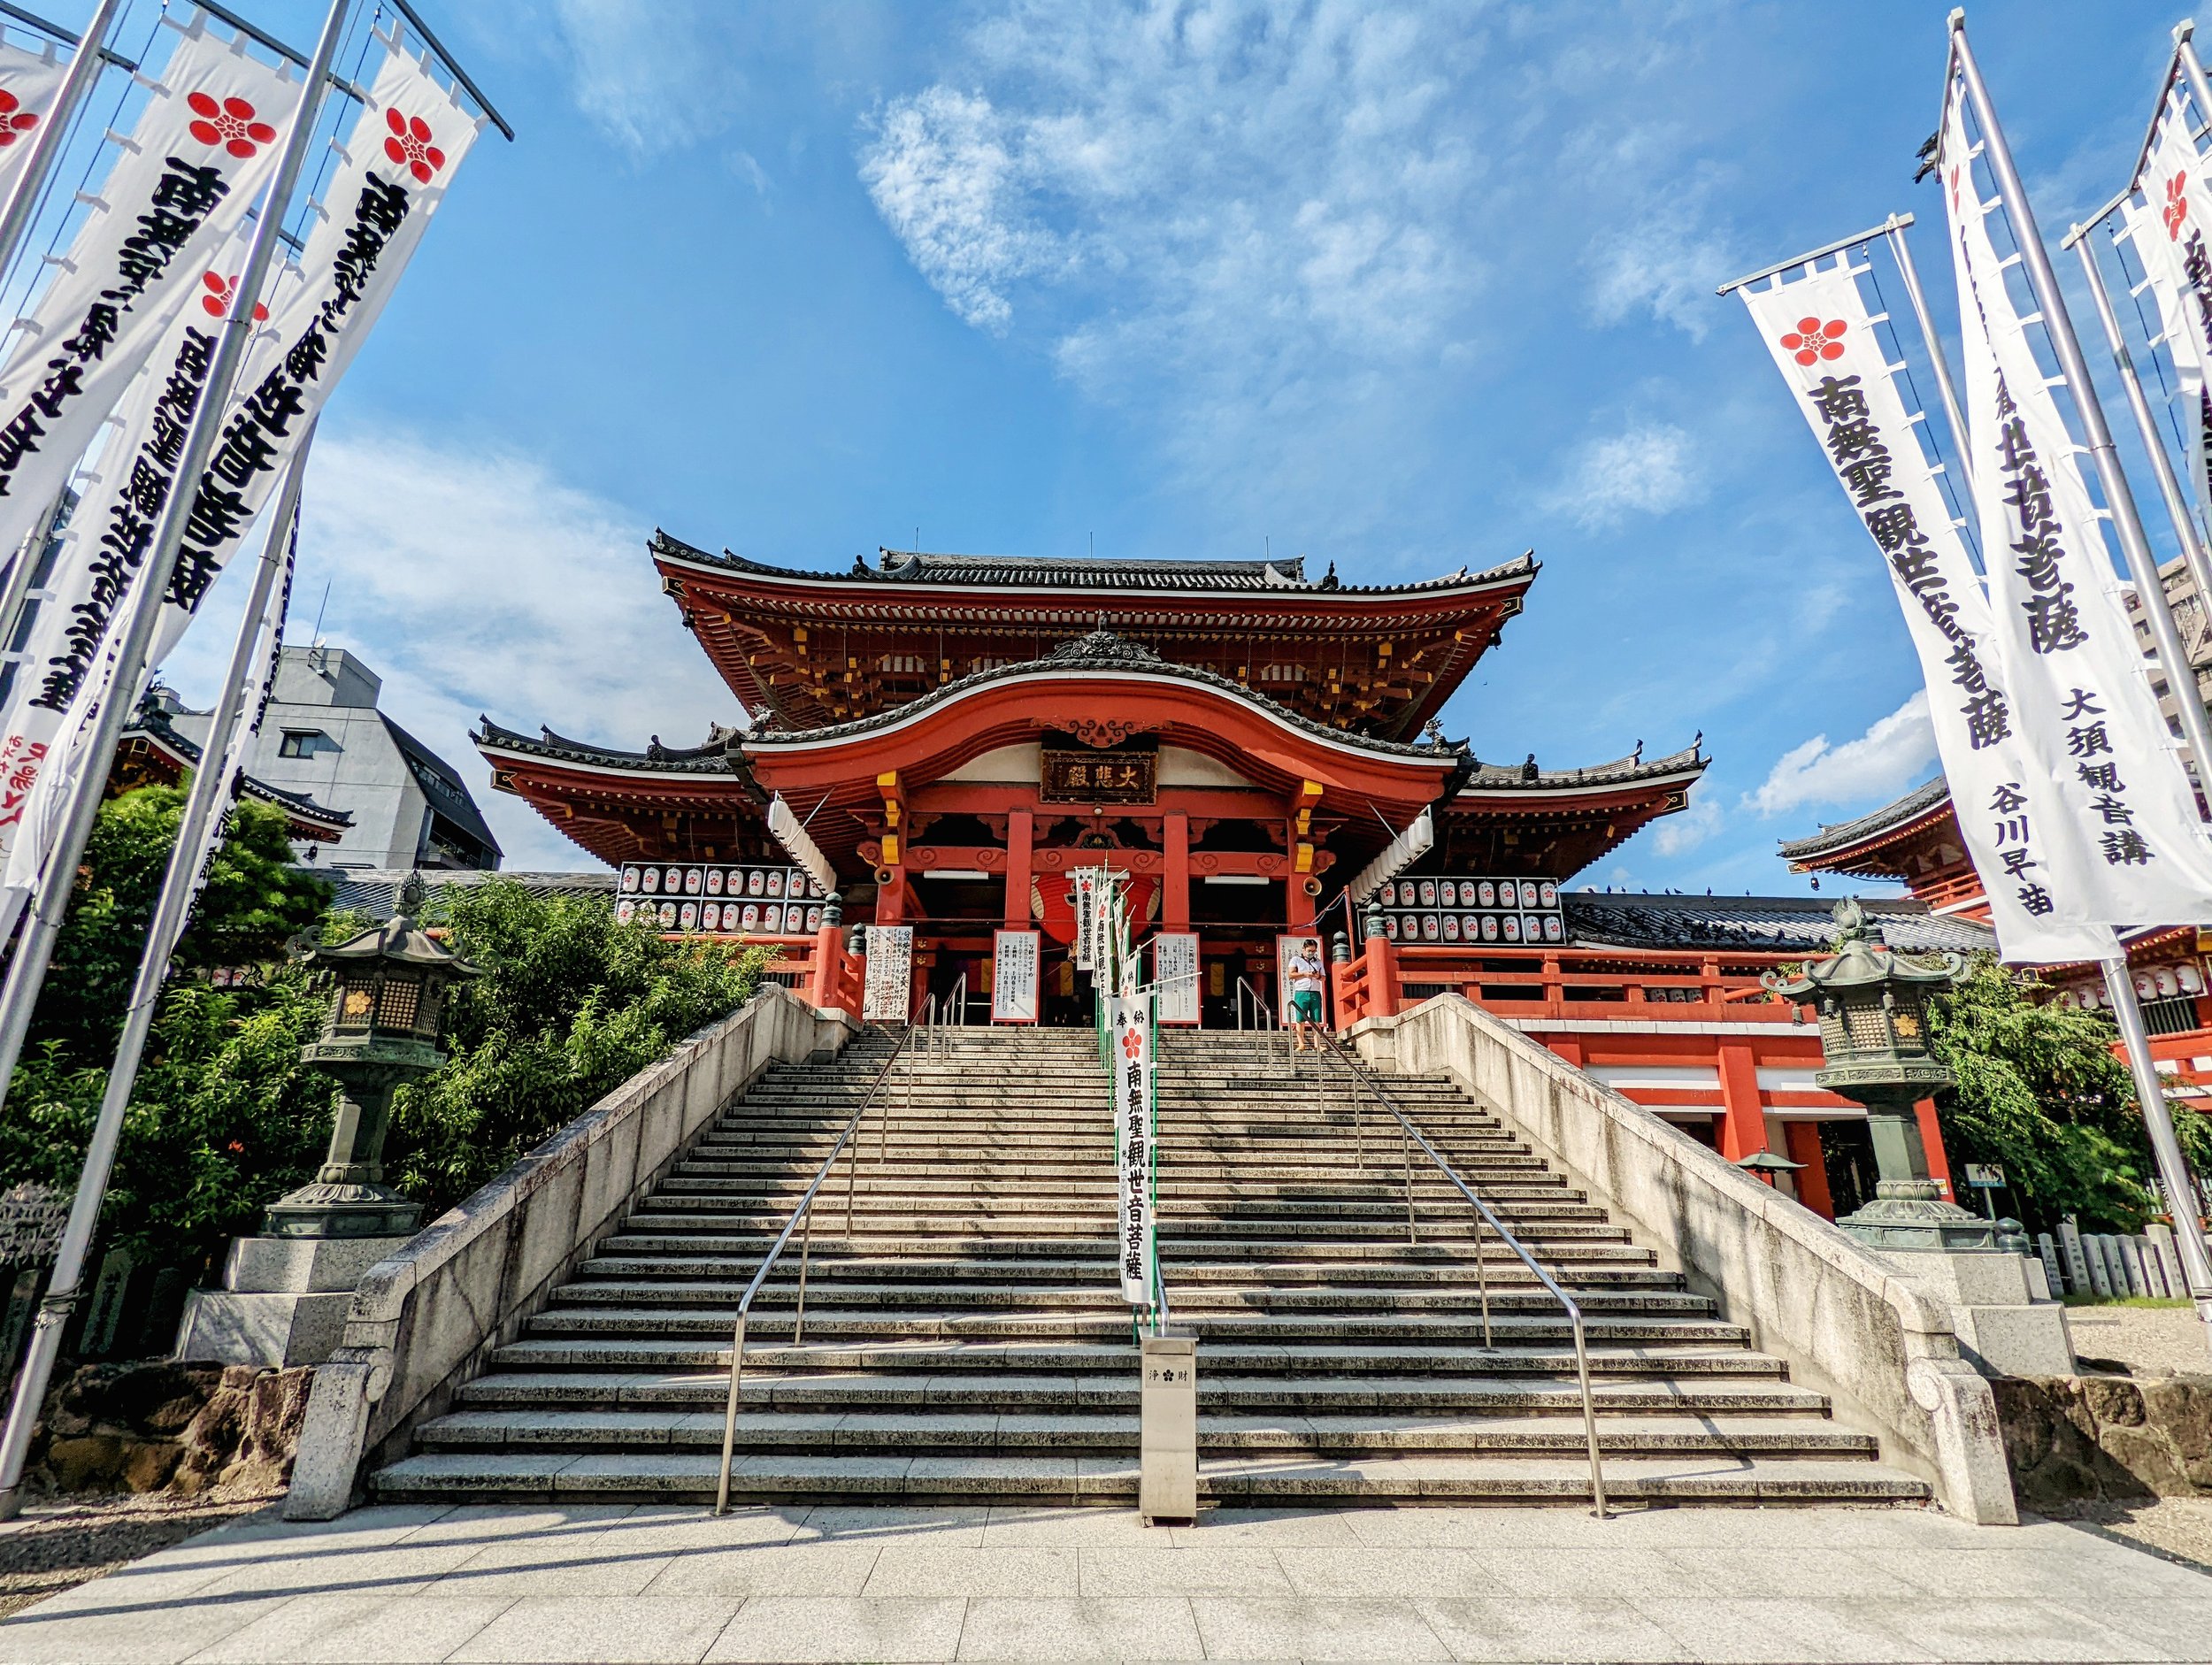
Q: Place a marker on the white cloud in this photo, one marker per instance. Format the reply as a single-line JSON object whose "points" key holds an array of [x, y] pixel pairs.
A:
{"points": [[1894, 753], [475, 582], [651, 79], [1648, 468], [1281, 235], [1685, 830], [941, 175]]}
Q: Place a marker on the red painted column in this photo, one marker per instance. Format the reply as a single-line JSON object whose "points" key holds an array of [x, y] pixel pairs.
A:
{"points": [[1743, 1129], [1020, 832], [1812, 1179], [1384, 992], [1568, 1049], [1932, 1143], [1175, 885]]}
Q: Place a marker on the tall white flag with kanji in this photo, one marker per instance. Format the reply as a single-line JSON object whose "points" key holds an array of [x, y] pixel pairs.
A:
{"points": [[1821, 335], [2121, 839], [28, 81]]}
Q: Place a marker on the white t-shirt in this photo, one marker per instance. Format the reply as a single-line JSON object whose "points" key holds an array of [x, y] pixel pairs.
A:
{"points": [[1305, 975]]}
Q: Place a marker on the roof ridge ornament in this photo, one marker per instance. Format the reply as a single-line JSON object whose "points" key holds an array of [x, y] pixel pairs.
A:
{"points": [[1102, 645]]}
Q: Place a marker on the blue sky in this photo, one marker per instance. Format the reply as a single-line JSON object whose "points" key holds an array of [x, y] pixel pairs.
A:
{"points": [[1403, 288]]}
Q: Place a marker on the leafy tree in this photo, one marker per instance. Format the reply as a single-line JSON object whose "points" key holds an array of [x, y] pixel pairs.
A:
{"points": [[2039, 1091], [254, 899], [573, 1002], [223, 1118]]}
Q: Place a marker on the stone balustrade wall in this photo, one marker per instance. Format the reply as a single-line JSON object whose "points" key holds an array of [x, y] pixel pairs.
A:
{"points": [[423, 1322], [1885, 1352]]}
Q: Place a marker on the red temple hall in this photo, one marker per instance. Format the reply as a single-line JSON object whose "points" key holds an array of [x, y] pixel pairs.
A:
{"points": [[940, 741]]}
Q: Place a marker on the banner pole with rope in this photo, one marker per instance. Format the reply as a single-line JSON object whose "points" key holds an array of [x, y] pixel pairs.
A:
{"points": [[46, 144]]}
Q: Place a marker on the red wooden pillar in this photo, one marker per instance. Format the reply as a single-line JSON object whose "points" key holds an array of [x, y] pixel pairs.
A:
{"points": [[1743, 1130], [1932, 1143], [1812, 1179], [1175, 880], [1020, 833], [829, 966], [1384, 992]]}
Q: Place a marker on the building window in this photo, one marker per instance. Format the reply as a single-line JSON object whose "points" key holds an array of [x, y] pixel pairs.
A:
{"points": [[305, 742]]}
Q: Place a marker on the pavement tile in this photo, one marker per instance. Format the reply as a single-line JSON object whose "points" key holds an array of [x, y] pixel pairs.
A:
{"points": [[339, 1565], [1545, 1573], [809, 1628], [1338, 1572], [1561, 1628], [155, 1635], [600, 1630], [2091, 1567], [955, 1524], [1265, 1527], [367, 1629], [912, 1570], [669, 1529], [1973, 1632], [1011, 1526], [1153, 1572], [815, 1568], [1759, 1630], [1759, 1569], [1262, 1627], [2174, 1629], [1159, 1628]]}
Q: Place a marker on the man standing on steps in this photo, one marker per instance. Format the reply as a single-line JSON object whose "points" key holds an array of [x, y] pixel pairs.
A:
{"points": [[1306, 985]]}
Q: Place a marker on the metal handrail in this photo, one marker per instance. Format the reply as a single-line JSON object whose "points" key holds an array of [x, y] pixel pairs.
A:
{"points": [[955, 1015], [1410, 1132], [1260, 1005], [804, 1210]]}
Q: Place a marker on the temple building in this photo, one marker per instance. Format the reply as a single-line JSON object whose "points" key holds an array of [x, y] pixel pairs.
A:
{"points": [[944, 740], [1917, 840]]}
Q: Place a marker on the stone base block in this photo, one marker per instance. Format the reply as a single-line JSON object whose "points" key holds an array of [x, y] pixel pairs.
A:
{"points": [[278, 1331], [303, 1265], [2003, 1330]]}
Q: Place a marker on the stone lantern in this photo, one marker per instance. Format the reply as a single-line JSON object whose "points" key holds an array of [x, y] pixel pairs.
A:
{"points": [[285, 1293], [1873, 1009], [387, 1018]]}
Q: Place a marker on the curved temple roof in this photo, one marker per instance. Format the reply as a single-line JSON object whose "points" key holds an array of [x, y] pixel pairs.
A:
{"points": [[1022, 572], [1923, 804]]}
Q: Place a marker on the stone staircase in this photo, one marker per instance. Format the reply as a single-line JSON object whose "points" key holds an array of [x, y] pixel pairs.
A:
{"points": [[968, 1342]]}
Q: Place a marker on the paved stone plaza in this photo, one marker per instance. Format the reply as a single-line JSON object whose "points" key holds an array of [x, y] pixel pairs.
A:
{"points": [[420, 1582]]}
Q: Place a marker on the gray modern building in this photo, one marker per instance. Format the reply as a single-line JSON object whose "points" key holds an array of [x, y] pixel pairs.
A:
{"points": [[324, 736]]}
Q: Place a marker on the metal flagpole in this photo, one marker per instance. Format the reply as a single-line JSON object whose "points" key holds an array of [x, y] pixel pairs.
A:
{"points": [[1894, 232], [2196, 728], [2193, 550], [46, 143], [179, 887], [2173, 1170], [15, 590], [51, 901]]}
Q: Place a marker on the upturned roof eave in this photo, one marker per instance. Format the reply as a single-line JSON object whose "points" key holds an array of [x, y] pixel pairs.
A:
{"points": [[1918, 809], [1507, 576]]}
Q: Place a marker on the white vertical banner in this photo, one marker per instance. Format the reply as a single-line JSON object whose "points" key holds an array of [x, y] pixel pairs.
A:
{"points": [[28, 81], [2122, 845], [887, 995], [2168, 231], [1821, 335], [1014, 961], [201, 151], [1084, 880], [391, 177], [1129, 1023], [1175, 973]]}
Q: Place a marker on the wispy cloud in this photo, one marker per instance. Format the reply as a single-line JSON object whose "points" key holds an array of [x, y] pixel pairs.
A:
{"points": [[654, 78], [1648, 468], [476, 582], [1894, 753], [1685, 830]]}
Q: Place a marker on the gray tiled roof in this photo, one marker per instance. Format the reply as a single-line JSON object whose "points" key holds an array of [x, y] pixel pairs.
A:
{"points": [[710, 759], [1510, 777], [151, 721], [1928, 795], [1766, 923], [374, 891], [901, 566]]}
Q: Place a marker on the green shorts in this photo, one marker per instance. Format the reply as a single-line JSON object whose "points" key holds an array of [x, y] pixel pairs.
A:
{"points": [[1305, 1006]]}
